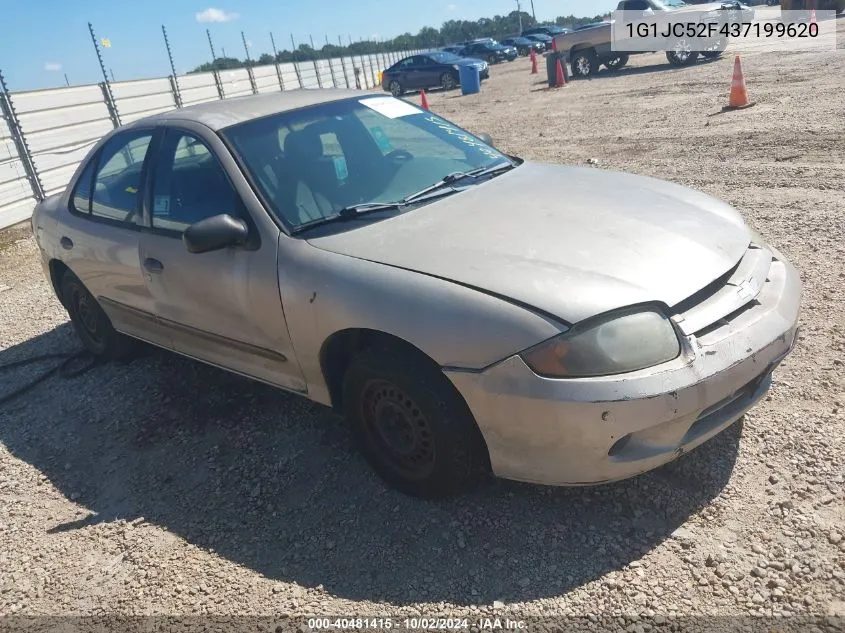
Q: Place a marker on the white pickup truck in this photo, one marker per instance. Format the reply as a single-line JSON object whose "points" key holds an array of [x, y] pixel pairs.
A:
{"points": [[587, 49]]}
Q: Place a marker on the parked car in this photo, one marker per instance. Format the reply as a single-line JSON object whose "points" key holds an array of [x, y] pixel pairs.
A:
{"points": [[523, 45], [455, 50], [490, 52], [541, 38], [364, 253], [549, 30], [429, 70]]}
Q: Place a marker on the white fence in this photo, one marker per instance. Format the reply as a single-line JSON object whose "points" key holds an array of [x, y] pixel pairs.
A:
{"points": [[45, 133]]}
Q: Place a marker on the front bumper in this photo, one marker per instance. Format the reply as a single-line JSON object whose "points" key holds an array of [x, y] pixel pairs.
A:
{"points": [[595, 430]]}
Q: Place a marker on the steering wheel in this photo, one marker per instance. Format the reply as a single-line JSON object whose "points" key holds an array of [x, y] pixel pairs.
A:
{"points": [[400, 154]]}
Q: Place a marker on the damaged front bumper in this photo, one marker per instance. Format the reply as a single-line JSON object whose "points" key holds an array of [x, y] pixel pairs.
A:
{"points": [[595, 430]]}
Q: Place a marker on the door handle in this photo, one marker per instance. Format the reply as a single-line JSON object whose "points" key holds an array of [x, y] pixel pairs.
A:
{"points": [[153, 265], [66, 243]]}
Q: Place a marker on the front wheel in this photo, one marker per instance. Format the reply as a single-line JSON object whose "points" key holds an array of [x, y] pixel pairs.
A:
{"points": [[411, 424], [585, 63], [617, 62], [396, 88], [716, 50], [448, 81], [681, 53]]}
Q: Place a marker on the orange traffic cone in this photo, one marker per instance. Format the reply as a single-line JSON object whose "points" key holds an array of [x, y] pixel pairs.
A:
{"points": [[424, 100], [533, 62], [560, 76], [739, 92], [813, 17]]}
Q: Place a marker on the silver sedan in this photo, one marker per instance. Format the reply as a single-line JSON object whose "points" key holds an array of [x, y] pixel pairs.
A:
{"points": [[469, 312]]}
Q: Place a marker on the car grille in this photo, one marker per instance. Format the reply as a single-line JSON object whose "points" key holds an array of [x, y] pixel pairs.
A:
{"points": [[728, 297]]}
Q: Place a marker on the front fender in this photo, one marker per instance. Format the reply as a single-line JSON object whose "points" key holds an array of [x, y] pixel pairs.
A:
{"points": [[458, 327]]}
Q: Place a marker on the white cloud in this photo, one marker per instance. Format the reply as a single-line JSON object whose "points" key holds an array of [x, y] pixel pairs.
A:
{"points": [[451, 7], [216, 15], [249, 43], [52, 67]]}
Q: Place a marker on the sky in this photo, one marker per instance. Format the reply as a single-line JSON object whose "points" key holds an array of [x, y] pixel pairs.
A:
{"points": [[42, 40]]}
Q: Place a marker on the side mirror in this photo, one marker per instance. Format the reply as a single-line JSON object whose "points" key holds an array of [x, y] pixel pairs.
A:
{"points": [[484, 136], [215, 233]]}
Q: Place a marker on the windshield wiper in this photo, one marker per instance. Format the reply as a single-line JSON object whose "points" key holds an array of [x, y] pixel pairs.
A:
{"points": [[368, 207], [456, 176]]}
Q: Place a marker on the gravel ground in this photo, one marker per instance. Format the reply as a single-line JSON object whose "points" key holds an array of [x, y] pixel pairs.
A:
{"points": [[164, 486]]}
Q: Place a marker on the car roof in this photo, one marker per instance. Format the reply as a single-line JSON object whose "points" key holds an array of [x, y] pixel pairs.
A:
{"points": [[220, 114]]}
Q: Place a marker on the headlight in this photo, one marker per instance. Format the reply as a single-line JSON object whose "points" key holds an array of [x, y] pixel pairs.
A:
{"points": [[615, 343]]}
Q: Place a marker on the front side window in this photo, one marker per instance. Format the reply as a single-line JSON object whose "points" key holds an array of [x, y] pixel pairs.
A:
{"points": [[352, 152], [113, 191], [189, 184]]}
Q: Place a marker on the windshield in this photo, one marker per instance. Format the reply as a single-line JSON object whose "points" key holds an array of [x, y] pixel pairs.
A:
{"points": [[444, 58], [310, 163], [676, 4], [657, 5]]}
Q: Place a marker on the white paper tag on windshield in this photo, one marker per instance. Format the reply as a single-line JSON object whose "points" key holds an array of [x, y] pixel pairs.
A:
{"points": [[390, 107]]}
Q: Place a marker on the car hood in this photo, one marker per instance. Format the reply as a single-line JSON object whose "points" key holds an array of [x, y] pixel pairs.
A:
{"points": [[572, 242]]}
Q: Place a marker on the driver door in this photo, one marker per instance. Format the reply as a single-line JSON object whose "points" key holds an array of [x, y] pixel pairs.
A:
{"points": [[224, 306]]}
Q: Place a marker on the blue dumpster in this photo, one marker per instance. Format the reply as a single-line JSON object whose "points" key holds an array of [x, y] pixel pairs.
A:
{"points": [[470, 79]]}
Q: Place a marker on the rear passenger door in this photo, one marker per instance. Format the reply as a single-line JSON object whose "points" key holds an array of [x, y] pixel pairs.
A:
{"points": [[223, 306], [101, 233]]}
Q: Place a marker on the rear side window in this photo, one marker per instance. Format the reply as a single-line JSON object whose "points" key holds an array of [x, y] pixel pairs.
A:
{"points": [[81, 200], [116, 194], [113, 193]]}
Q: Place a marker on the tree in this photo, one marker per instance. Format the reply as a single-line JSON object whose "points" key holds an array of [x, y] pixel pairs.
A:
{"points": [[450, 32]]}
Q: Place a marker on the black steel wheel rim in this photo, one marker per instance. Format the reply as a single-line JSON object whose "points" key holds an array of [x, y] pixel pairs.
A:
{"points": [[397, 429], [89, 316]]}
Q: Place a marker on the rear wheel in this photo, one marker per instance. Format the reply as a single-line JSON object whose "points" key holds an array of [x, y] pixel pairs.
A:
{"points": [[411, 425], [396, 88], [448, 81], [585, 63], [91, 323], [617, 62]]}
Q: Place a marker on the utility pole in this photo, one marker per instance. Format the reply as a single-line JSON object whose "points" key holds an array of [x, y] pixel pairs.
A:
{"points": [[533, 13], [519, 13]]}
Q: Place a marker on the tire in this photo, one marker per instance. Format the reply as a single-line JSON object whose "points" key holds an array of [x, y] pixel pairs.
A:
{"points": [[91, 323], [412, 426], [585, 63], [396, 88], [448, 81], [681, 54], [617, 62], [718, 49]]}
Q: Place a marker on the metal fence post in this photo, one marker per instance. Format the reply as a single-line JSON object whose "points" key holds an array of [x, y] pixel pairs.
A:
{"points": [[174, 82], [276, 62], [219, 83], [249, 66], [295, 65], [174, 88], [11, 118], [104, 85], [331, 66], [342, 65], [314, 59]]}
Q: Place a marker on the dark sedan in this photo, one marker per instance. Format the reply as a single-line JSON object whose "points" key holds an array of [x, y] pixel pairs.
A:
{"points": [[490, 52], [523, 45], [431, 70], [541, 38]]}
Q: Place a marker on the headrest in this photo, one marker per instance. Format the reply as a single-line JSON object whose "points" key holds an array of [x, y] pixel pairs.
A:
{"points": [[303, 145]]}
